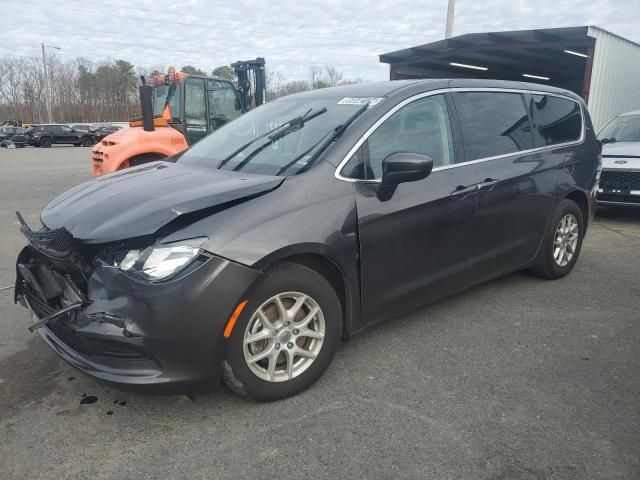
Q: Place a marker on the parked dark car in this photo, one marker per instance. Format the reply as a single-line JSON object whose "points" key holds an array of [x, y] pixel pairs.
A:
{"points": [[620, 180], [12, 135], [83, 127], [250, 255], [50, 134], [102, 132]]}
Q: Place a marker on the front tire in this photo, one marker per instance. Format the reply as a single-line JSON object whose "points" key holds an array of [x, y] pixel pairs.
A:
{"points": [[87, 142], [45, 142], [563, 242], [286, 336]]}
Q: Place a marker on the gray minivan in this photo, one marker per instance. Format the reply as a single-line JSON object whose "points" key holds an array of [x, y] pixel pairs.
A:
{"points": [[250, 255]]}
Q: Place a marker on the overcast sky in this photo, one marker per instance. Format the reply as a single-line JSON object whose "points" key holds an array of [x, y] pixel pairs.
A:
{"points": [[292, 35]]}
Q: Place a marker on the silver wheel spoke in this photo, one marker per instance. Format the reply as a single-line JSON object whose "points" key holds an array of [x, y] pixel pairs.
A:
{"points": [[262, 355], [289, 359], [297, 306], [304, 353], [305, 321], [266, 323], [282, 311], [256, 337], [273, 360], [306, 332]]}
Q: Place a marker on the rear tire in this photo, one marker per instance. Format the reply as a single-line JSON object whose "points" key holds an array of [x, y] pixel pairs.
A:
{"points": [[300, 354], [45, 142], [562, 243]]}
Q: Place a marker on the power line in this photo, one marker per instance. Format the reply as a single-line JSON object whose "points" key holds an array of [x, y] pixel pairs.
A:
{"points": [[163, 38], [199, 53], [192, 25], [156, 64], [244, 20]]}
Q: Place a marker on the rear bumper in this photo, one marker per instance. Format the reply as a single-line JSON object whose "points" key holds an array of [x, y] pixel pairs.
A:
{"points": [[156, 338]]}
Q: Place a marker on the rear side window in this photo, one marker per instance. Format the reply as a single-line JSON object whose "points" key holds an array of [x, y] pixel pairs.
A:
{"points": [[493, 123], [558, 120]]}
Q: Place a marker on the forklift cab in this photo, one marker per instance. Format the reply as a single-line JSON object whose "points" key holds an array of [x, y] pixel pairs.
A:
{"points": [[208, 105], [197, 105]]}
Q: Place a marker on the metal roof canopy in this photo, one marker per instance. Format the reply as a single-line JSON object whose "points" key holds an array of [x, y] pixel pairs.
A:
{"points": [[505, 55]]}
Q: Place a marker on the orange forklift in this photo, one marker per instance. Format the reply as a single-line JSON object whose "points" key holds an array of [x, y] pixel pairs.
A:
{"points": [[178, 110]]}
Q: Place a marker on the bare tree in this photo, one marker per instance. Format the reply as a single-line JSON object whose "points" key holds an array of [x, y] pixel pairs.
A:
{"points": [[88, 91], [334, 76]]}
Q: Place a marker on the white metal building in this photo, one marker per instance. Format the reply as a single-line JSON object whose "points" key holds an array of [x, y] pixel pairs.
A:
{"points": [[602, 67]]}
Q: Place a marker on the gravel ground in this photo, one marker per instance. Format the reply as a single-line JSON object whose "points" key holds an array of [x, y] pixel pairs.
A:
{"points": [[518, 379]]}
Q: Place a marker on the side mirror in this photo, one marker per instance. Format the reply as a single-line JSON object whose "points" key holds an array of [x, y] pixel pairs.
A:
{"points": [[405, 167], [400, 168]]}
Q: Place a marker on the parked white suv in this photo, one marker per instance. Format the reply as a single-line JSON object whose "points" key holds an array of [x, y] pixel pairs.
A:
{"points": [[620, 180]]}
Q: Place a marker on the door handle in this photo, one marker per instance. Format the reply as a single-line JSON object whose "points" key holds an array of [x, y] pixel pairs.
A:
{"points": [[488, 184], [462, 191]]}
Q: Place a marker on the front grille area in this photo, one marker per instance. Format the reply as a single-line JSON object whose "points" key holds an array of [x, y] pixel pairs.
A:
{"points": [[50, 284], [97, 160], [59, 239], [619, 181], [95, 347], [618, 198]]}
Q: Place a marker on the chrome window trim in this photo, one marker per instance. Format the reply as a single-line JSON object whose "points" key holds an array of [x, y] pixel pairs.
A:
{"points": [[440, 91]]}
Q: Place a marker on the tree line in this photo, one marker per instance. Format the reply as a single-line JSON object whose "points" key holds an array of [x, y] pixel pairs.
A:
{"points": [[86, 91]]}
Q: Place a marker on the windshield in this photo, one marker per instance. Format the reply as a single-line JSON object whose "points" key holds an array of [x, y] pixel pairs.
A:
{"points": [[621, 129], [160, 93], [245, 145]]}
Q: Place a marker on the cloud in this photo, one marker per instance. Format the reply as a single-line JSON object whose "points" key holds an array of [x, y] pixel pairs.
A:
{"points": [[291, 35]]}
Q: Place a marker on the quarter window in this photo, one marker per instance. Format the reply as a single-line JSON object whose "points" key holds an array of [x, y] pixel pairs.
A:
{"points": [[558, 120], [492, 123]]}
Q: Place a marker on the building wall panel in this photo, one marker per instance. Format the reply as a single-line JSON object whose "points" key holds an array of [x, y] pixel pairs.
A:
{"points": [[615, 77]]}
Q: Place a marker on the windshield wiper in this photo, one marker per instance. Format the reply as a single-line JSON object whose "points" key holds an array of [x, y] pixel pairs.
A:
{"points": [[298, 121], [296, 124], [339, 130]]}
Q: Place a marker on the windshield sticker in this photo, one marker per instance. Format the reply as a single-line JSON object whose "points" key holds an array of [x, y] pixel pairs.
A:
{"points": [[360, 101]]}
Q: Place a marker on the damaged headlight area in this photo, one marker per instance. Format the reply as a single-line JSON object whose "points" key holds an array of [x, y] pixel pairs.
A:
{"points": [[164, 261]]}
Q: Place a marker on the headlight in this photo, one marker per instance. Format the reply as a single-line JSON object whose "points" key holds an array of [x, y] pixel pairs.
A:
{"points": [[161, 261]]}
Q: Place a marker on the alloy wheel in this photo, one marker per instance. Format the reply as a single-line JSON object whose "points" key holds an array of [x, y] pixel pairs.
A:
{"points": [[565, 240], [284, 336]]}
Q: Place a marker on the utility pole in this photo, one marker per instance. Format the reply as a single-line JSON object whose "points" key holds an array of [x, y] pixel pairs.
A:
{"points": [[450, 11], [47, 82]]}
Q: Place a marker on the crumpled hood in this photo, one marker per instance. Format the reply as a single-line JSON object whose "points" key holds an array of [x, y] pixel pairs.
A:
{"points": [[140, 200]]}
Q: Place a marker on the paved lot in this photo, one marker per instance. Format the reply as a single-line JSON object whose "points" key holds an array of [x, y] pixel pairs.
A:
{"points": [[518, 379]]}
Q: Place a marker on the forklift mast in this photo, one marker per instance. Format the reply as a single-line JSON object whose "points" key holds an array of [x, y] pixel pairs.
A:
{"points": [[251, 72]]}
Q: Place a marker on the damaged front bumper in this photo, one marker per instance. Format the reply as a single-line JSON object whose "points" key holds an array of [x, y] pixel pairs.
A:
{"points": [[163, 337]]}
